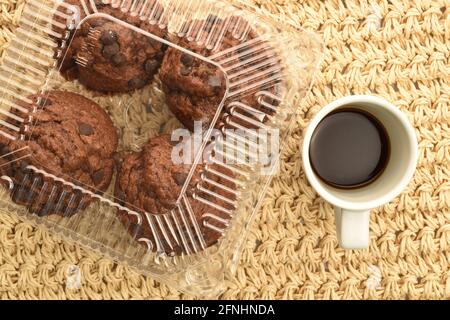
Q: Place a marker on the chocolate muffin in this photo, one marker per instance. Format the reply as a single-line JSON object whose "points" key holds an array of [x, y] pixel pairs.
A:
{"points": [[150, 182], [109, 57], [195, 88], [68, 136]]}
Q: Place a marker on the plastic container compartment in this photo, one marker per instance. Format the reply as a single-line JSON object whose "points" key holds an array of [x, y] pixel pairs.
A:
{"points": [[267, 68]]}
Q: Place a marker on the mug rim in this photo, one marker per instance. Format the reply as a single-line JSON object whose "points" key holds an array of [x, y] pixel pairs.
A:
{"points": [[391, 194]]}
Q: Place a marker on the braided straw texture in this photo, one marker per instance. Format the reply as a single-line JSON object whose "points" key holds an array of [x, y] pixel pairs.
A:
{"points": [[398, 50]]}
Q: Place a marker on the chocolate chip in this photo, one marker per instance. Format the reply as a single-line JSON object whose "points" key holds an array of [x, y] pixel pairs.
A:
{"points": [[4, 150], [99, 4], [185, 71], [187, 59], [214, 81], [154, 43], [119, 59], [180, 178], [23, 165], [97, 177], [97, 22], [108, 37], [110, 50], [136, 83], [85, 129], [151, 66]]}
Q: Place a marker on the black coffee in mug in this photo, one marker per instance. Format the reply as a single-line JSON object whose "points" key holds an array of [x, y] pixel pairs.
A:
{"points": [[349, 149]]}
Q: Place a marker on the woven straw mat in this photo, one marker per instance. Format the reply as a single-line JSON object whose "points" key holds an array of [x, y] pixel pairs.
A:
{"points": [[398, 50]]}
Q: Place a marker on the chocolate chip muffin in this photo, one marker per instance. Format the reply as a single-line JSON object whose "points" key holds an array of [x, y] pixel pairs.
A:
{"points": [[150, 182], [69, 137], [109, 57], [195, 88]]}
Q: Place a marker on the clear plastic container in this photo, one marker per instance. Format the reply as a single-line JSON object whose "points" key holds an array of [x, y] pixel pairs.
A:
{"points": [[261, 67]]}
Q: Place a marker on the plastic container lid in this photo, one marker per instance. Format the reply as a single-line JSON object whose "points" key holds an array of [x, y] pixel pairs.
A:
{"points": [[200, 96]]}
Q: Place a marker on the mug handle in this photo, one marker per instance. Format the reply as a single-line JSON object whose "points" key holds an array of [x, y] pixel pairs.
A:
{"points": [[352, 228]]}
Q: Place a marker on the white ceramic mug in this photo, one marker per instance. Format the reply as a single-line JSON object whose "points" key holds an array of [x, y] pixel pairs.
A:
{"points": [[352, 207]]}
